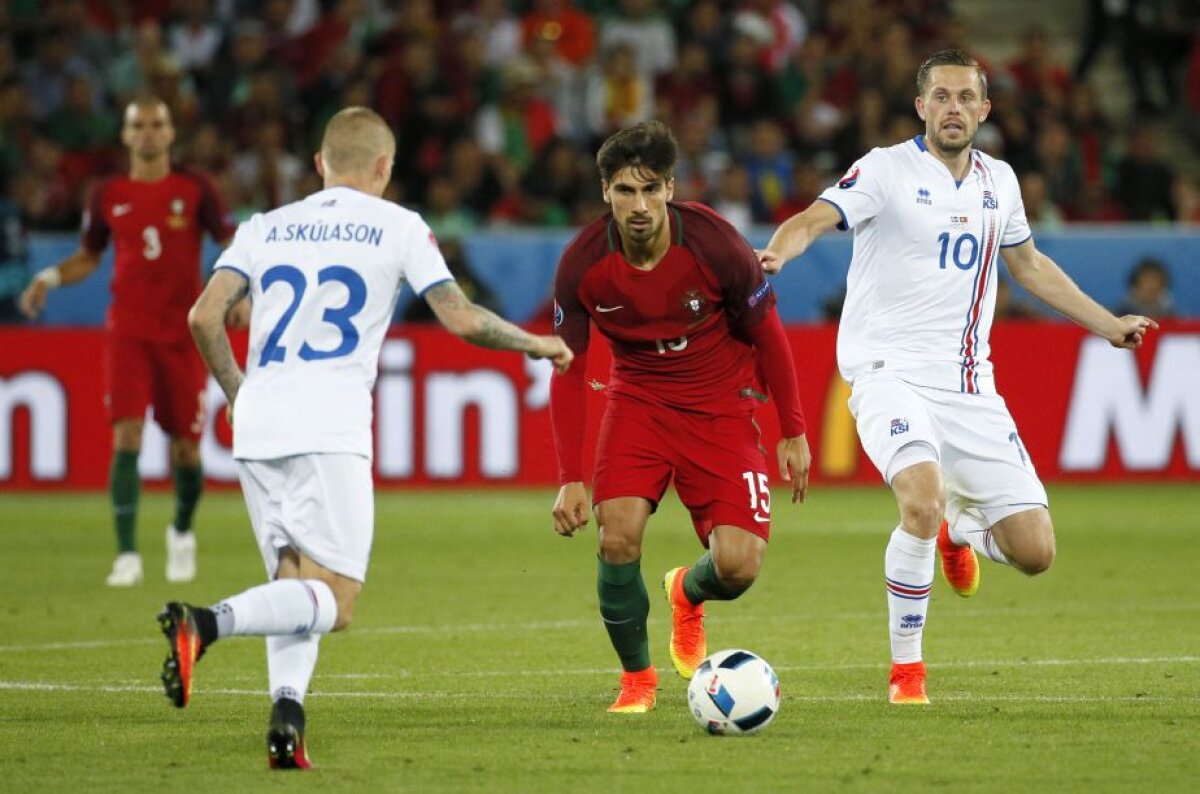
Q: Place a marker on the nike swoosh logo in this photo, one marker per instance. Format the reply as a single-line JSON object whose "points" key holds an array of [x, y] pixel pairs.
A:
{"points": [[121, 209], [604, 309]]}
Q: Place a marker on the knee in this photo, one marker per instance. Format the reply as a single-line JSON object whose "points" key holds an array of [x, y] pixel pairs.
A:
{"points": [[923, 515], [737, 575], [617, 547], [1037, 558], [185, 453]]}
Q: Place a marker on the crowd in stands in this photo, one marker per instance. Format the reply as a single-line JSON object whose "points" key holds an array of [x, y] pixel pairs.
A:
{"points": [[499, 104]]}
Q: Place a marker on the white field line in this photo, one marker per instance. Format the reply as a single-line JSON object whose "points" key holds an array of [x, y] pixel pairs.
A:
{"points": [[41, 686], [592, 623]]}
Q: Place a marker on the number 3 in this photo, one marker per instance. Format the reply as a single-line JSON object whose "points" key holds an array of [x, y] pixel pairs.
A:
{"points": [[153, 249], [339, 317]]}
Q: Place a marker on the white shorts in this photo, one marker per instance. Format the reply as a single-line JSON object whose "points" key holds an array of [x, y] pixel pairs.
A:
{"points": [[321, 505], [971, 436]]}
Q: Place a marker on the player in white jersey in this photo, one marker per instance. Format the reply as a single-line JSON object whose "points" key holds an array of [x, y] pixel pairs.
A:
{"points": [[323, 275], [930, 218]]}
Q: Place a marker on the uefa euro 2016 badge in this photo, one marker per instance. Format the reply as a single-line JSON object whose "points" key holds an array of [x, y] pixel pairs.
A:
{"points": [[695, 303], [177, 220]]}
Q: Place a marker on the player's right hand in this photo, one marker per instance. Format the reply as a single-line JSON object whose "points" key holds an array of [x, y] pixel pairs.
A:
{"points": [[555, 349], [33, 299], [1130, 331], [771, 261], [570, 509]]}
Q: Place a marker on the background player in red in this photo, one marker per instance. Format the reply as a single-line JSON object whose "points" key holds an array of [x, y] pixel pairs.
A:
{"points": [[156, 217], [692, 322]]}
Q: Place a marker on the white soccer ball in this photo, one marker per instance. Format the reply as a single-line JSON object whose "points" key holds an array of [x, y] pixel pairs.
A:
{"points": [[734, 692]]}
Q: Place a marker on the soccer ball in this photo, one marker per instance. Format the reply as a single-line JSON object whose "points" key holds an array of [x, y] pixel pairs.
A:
{"points": [[734, 692]]}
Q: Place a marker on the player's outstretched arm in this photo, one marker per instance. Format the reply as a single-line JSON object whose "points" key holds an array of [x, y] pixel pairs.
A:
{"points": [[477, 325], [75, 267], [570, 509], [796, 234], [1046, 281], [207, 323]]}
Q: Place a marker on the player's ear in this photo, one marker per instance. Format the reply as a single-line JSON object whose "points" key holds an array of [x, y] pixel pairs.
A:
{"points": [[920, 103], [670, 188], [320, 164], [987, 108], [604, 191]]}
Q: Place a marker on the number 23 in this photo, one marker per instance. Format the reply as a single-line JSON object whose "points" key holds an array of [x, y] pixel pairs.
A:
{"points": [[338, 317]]}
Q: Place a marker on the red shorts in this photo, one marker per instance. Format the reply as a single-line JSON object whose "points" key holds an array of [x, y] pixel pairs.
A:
{"points": [[168, 375], [720, 467]]}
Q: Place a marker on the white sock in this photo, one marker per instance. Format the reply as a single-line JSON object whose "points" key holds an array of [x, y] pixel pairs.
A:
{"points": [[285, 606], [908, 572], [290, 663], [969, 530]]}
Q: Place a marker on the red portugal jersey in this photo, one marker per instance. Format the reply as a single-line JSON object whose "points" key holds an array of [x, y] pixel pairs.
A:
{"points": [[157, 229], [677, 331]]}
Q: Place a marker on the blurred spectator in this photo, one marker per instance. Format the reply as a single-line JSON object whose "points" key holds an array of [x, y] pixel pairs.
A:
{"points": [[1059, 163], [1043, 81], [79, 125], [1093, 204], [14, 260], [418, 311], [267, 171], [48, 201], [1042, 213], [789, 27], [640, 24], [1143, 178], [54, 64], [769, 166], [705, 26], [617, 94], [1185, 198], [131, 73], [556, 183], [448, 219], [703, 156], [480, 183], [194, 37], [501, 29], [572, 31], [807, 184], [559, 84], [732, 200], [519, 124], [1115, 19], [747, 91], [678, 92], [1149, 291]]}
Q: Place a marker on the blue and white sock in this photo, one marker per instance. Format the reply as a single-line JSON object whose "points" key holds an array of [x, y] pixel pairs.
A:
{"points": [[908, 573], [291, 660], [285, 606]]}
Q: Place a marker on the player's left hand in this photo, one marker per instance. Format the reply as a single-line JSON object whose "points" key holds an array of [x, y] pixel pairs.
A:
{"points": [[1130, 331], [794, 462]]}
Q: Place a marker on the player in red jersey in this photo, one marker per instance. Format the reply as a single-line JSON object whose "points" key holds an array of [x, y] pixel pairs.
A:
{"points": [[695, 338], [156, 217]]}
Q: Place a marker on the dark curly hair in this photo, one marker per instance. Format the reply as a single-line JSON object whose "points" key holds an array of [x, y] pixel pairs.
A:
{"points": [[649, 145]]}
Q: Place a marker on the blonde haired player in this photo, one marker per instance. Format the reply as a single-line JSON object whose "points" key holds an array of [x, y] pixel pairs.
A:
{"points": [[323, 274], [931, 216]]}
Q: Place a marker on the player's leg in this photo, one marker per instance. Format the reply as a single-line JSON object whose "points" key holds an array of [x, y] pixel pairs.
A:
{"points": [[128, 375], [179, 409], [624, 602], [313, 517], [721, 476], [898, 434], [630, 479], [998, 506]]}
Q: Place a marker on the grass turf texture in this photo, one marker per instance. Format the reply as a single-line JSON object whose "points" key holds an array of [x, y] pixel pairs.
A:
{"points": [[477, 661]]}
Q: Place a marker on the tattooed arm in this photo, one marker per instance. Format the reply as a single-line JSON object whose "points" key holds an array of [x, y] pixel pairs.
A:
{"points": [[481, 327], [207, 323]]}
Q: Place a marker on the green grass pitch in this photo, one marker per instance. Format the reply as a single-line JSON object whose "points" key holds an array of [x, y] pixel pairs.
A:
{"points": [[477, 661]]}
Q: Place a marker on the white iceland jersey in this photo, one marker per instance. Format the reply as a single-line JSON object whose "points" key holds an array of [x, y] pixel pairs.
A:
{"points": [[921, 290], [324, 273]]}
